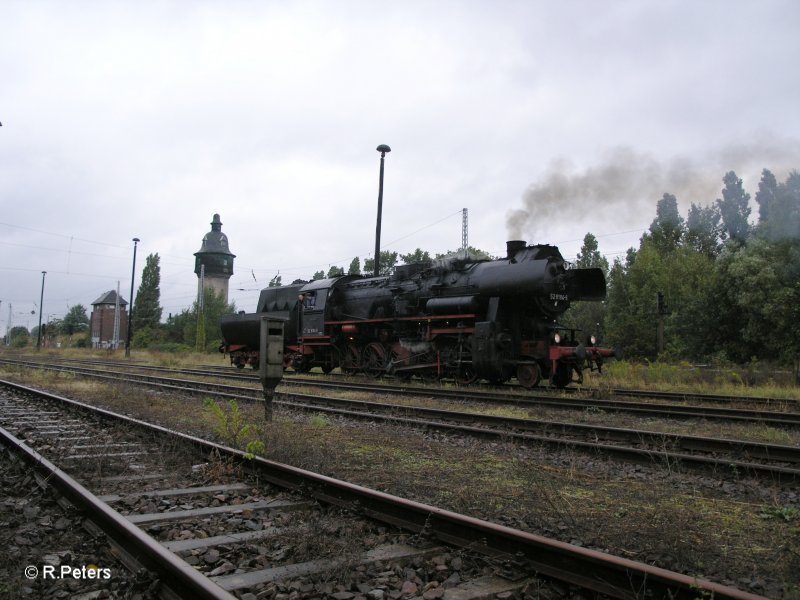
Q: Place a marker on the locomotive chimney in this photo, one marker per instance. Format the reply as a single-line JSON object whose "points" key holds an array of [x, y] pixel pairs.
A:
{"points": [[514, 246]]}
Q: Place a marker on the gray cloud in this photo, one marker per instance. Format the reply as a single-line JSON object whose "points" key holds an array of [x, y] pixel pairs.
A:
{"points": [[141, 119]]}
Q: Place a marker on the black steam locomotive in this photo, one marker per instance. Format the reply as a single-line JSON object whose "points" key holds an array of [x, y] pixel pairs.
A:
{"points": [[458, 317]]}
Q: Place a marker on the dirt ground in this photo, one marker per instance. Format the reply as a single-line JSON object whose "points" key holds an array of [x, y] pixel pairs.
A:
{"points": [[721, 526]]}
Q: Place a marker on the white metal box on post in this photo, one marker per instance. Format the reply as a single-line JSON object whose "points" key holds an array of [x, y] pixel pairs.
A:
{"points": [[270, 360]]}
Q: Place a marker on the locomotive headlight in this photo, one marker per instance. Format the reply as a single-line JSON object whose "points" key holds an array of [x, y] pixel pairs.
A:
{"points": [[593, 339], [556, 338]]}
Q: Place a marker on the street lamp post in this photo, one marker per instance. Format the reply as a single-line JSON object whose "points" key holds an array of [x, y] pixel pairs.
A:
{"points": [[383, 149], [130, 311], [41, 300]]}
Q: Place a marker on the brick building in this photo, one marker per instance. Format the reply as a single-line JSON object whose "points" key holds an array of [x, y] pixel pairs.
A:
{"points": [[104, 322]]}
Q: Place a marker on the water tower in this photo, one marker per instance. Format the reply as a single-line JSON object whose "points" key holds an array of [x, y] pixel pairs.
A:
{"points": [[213, 263]]}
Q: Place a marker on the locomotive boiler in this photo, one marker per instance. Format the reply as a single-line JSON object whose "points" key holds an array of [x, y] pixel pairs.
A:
{"points": [[458, 317]]}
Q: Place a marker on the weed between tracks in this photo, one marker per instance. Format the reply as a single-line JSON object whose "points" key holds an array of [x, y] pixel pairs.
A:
{"points": [[232, 429], [751, 380], [754, 432]]}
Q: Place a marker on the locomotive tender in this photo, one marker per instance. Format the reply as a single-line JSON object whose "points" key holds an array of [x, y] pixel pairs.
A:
{"points": [[458, 317]]}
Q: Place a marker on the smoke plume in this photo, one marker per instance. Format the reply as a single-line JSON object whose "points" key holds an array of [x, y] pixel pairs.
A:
{"points": [[625, 186]]}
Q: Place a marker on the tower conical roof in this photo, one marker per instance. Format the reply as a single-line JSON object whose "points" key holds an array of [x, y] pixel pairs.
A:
{"points": [[215, 242], [214, 257]]}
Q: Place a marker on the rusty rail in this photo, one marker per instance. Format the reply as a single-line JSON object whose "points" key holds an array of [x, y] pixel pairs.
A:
{"points": [[590, 569], [174, 572]]}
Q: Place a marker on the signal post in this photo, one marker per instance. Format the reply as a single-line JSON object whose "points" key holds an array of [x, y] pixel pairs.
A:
{"points": [[270, 360]]}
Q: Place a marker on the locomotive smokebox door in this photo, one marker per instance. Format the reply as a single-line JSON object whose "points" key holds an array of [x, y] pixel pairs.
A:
{"points": [[270, 359]]}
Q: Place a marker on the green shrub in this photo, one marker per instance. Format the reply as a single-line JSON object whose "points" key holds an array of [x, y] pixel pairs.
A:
{"points": [[232, 430]]}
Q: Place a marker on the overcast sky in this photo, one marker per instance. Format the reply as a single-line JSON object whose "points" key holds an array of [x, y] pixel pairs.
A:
{"points": [[546, 120]]}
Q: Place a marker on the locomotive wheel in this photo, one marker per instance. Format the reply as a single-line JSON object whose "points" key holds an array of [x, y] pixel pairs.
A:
{"points": [[374, 359], [465, 376], [351, 361], [529, 375]]}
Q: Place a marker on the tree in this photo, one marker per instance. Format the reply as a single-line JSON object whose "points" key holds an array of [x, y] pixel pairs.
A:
{"points": [[335, 272], [417, 257], [631, 323], [630, 257], [275, 281], [18, 336], [355, 267], [736, 300], [760, 297], [214, 306], [75, 321], [779, 207], [666, 229], [681, 275], [788, 206], [663, 267], [589, 256], [693, 326], [734, 208], [318, 275], [54, 329], [703, 229], [473, 252], [388, 261], [759, 283], [147, 310], [766, 195], [176, 326], [618, 301]]}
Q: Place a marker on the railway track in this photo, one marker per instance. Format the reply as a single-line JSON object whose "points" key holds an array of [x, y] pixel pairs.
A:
{"points": [[507, 393], [725, 457], [142, 486], [776, 412]]}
